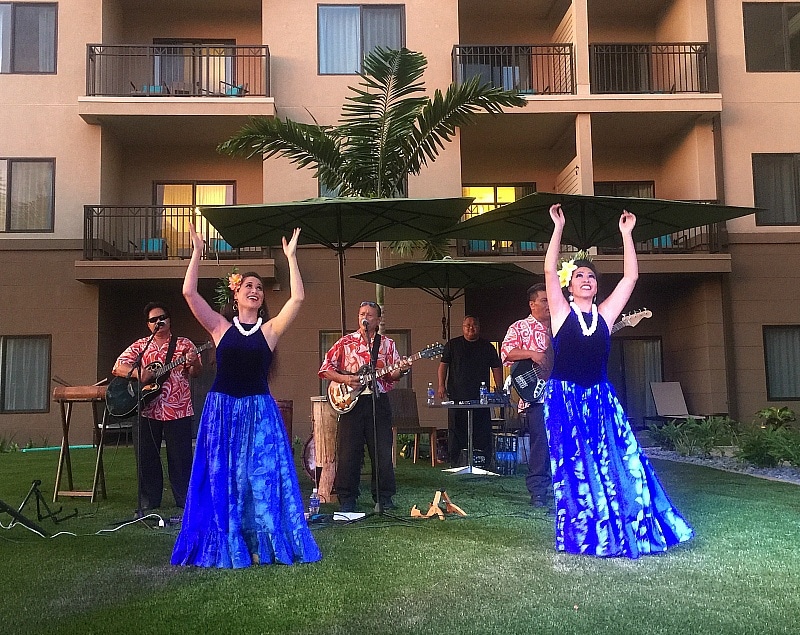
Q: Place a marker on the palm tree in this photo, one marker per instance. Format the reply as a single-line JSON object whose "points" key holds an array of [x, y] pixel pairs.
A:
{"points": [[388, 130]]}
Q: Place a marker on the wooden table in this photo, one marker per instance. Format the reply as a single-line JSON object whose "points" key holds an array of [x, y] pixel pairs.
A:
{"points": [[67, 397]]}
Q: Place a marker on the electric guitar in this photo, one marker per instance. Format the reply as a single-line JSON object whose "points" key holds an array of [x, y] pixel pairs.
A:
{"points": [[525, 374], [343, 397], [122, 393]]}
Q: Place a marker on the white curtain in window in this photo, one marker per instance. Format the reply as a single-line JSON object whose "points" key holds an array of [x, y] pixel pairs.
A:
{"points": [[26, 368], [31, 196], [5, 38], [775, 189], [47, 39], [339, 39], [782, 355], [34, 39], [642, 365], [381, 26]]}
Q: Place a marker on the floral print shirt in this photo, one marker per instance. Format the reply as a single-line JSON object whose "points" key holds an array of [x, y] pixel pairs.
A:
{"points": [[175, 399], [530, 335], [351, 352]]}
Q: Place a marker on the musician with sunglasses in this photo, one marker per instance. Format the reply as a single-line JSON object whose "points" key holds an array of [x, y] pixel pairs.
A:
{"points": [[168, 416], [341, 365]]}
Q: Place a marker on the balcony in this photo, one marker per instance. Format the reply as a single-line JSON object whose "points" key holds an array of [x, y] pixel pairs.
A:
{"points": [[152, 233], [181, 70], [529, 69], [649, 68]]}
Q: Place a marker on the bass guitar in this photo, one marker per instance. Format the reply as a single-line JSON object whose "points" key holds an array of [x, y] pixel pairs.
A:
{"points": [[343, 397], [526, 376], [123, 393]]}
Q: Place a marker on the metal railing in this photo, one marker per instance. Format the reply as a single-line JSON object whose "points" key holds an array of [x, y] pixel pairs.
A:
{"points": [[177, 70], [529, 69], [704, 239], [649, 68], [151, 232]]}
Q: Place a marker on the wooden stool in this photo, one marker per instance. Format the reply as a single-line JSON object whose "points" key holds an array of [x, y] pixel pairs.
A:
{"points": [[67, 396]]}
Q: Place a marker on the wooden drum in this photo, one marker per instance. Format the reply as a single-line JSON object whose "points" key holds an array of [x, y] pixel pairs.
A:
{"points": [[324, 422]]}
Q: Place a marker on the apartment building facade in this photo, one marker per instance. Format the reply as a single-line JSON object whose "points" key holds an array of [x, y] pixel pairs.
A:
{"points": [[112, 111]]}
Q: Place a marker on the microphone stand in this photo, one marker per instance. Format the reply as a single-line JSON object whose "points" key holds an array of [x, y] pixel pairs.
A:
{"points": [[137, 365], [371, 375]]}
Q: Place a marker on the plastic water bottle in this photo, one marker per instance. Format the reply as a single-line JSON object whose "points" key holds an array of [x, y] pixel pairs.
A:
{"points": [[484, 394], [313, 502], [431, 393]]}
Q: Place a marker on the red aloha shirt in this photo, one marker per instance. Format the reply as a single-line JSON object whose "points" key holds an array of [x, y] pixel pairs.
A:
{"points": [[175, 399], [351, 353], [529, 335]]}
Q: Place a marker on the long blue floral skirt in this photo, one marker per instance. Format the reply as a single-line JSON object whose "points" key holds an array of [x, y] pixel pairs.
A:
{"points": [[609, 501], [243, 493]]}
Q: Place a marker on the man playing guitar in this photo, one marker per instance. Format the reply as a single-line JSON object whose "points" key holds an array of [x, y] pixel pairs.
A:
{"points": [[356, 426], [529, 339], [169, 415]]}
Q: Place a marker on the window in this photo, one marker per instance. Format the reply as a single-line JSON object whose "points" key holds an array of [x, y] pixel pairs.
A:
{"points": [[775, 188], [27, 194], [632, 189], [633, 363], [348, 33], [782, 362], [772, 36], [179, 201], [24, 374], [487, 198], [27, 38]]}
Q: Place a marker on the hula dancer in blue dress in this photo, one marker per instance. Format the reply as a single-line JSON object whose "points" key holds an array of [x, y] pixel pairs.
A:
{"points": [[609, 501], [244, 505]]}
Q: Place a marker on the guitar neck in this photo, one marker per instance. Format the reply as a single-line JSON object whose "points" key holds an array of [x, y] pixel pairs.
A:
{"points": [[617, 327], [177, 362], [389, 369]]}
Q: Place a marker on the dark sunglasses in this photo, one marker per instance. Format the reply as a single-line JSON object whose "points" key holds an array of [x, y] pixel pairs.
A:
{"points": [[157, 318]]}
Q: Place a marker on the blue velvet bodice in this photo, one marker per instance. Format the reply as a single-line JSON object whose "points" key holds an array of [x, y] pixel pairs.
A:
{"points": [[579, 359], [242, 364]]}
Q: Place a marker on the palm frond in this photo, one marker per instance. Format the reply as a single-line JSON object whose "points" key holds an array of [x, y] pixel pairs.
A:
{"points": [[431, 249], [438, 120], [306, 145]]}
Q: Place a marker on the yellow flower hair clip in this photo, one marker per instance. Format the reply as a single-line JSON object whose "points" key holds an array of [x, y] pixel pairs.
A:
{"points": [[568, 266]]}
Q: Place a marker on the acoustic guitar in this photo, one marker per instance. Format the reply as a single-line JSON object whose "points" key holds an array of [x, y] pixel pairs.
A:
{"points": [[343, 397], [526, 376], [123, 393]]}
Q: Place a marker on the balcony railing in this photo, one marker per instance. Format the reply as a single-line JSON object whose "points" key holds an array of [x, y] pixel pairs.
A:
{"points": [[151, 232], [704, 239], [649, 68], [528, 69], [177, 70]]}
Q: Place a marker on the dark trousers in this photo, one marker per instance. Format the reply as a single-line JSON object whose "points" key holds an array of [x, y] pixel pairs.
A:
{"points": [[481, 433], [539, 481], [356, 429], [147, 447]]}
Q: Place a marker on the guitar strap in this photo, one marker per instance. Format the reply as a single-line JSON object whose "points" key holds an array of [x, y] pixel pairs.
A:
{"points": [[173, 342], [373, 354]]}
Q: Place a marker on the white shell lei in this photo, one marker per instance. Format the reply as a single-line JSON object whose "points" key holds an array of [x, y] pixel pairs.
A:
{"points": [[587, 331], [241, 329]]}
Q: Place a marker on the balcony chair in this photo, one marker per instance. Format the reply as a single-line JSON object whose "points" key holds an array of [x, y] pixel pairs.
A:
{"points": [[150, 248], [220, 248], [405, 420], [670, 403], [234, 90]]}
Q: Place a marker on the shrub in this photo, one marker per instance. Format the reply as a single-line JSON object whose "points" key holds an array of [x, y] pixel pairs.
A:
{"points": [[695, 437], [775, 417]]}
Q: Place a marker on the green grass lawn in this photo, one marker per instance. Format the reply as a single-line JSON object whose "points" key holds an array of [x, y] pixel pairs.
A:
{"points": [[492, 572]]}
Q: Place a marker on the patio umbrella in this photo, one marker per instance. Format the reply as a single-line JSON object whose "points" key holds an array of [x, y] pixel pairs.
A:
{"points": [[447, 279], [591, 221], [336, 223]]}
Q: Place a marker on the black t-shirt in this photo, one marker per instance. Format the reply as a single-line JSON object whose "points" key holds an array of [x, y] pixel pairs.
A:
{"points": [[469, 364]]}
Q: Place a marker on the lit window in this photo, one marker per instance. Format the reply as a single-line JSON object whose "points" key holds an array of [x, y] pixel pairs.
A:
{"points": [[27, 38], [348, 33], [27, 194]]}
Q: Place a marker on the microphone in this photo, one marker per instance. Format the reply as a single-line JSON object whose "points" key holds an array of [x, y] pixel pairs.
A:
{"points": [[365, 323], [160, 324]]}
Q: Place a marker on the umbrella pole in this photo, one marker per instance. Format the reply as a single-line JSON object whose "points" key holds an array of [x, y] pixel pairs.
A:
{"points": [[341, 288]]}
